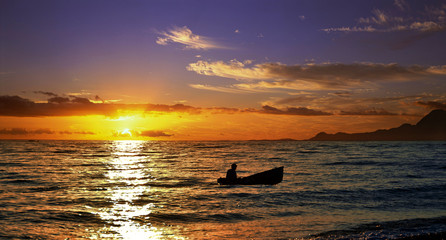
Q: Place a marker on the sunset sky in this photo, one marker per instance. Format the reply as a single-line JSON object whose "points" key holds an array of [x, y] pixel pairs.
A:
{"points": [[217, 70]]}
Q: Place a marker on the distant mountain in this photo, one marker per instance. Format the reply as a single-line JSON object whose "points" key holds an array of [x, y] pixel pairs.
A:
{"points": [[432, 127]]}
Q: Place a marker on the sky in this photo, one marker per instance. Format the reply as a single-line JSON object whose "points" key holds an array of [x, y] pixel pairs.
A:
{"points": [[217, 70]]}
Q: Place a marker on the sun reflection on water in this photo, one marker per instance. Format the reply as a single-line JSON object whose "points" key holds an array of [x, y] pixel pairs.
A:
{"points": [[128, 178]]}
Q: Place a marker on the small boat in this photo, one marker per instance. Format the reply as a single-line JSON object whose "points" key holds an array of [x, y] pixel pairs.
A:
{"points": [[270, 177]]}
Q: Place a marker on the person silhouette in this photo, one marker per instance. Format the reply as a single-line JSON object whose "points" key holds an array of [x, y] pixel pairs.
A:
{"points": [[231, 175]]}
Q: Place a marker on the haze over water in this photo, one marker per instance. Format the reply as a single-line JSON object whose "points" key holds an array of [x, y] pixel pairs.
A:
{"points": [[168, 190]]}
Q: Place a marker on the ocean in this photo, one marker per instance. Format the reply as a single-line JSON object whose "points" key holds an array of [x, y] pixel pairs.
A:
{"points": [[169, 190]]}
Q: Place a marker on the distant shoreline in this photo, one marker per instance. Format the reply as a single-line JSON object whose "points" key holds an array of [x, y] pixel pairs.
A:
{"points": [[431, 127]]}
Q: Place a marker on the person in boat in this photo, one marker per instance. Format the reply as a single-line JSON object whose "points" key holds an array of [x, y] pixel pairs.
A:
{"points": [[231, 175]]}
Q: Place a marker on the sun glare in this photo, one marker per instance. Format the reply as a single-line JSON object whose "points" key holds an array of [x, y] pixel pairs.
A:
{"points": [[126, 132]]}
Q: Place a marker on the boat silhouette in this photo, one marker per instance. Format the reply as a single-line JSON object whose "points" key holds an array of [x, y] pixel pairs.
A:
{"points": [[269, 177]]}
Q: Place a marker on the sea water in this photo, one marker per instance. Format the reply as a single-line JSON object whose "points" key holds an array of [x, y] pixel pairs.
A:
{"points": [[168, 190]]}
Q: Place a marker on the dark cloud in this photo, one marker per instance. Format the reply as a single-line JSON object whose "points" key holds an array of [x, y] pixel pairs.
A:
{"points": [[293, 111], [171, 108], [80, 100], [55, 98], [58, 100], [154, 133], [296, 99], [16, 106], [97, 98], [23, 131], [432, 104], [61, 106], [51, 94], [77, 132], [56, 106], [345, 105], [369, 112]]}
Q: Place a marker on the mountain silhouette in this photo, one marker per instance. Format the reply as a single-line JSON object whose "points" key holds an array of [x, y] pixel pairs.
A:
{"points": [[431, 127]]}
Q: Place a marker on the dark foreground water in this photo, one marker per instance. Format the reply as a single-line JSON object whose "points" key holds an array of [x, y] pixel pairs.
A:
{"points": [[168, 190]]}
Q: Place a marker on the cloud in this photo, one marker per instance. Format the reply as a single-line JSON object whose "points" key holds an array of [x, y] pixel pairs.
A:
{"points": [[304, 104], [432, 19], [379, 17], [432, 104], [81, 100], [171, 108], [58, 100], [23, 131], [56, 106], [353, 103], [401, 4], [237, 88], [15, 106], [184, 35], [97, 98], [51, 94], [350, 29], [77, 132], [135, 133], [233, 69], [60, 106], [293, 111], [55, 98], [312, 76], [368, 112], [154, 133]]}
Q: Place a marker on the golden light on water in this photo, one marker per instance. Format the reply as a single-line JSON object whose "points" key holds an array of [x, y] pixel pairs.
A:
{"points": [[129, 180]]}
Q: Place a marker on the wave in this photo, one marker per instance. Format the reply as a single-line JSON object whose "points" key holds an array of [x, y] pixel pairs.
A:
{"points": [[96, 155], [197, 217], [389, 230], [206, 146], [71, 216], [361, 163], [22, 181], [69, 151], [13, 164], [308, 151], [44, 189], [176, 184]]}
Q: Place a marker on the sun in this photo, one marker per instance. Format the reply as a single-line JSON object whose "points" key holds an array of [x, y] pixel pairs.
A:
{"points": [[126, 132]]}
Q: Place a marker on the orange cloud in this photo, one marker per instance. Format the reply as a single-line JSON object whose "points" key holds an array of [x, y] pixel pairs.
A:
{"points": [[184, 35], [312, 76]]}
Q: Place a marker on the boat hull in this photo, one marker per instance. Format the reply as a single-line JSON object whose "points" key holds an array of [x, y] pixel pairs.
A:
{"points": [[270, 177]]}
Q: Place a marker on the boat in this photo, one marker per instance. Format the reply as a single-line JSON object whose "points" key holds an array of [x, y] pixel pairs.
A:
{"points": [[270, 177]]}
